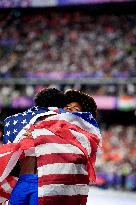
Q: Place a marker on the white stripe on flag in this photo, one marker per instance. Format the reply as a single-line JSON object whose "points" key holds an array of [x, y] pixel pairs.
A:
{"points": [[61, 189], [4, 154], [50, 148], [30, 152], [83, 140], [38, 132], [11, 164], [6, 186], [62, 168]]}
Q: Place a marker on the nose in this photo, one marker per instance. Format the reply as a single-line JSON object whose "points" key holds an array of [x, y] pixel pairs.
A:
{"points": [[69, 109]]}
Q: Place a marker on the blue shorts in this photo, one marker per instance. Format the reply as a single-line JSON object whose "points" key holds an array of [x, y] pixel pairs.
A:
{"points": [[25, 191]]}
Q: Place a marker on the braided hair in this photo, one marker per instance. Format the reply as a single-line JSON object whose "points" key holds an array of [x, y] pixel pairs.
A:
{"points": [[86, 102], [50, 97]]}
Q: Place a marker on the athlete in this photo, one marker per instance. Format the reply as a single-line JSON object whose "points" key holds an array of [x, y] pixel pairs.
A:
{"points": [[28, 179]]}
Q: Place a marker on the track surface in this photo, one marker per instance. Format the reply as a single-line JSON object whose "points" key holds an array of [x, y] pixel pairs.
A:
{"points": [[108, 197]]}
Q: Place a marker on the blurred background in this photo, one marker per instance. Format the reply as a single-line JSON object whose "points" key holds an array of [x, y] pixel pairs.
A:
{"points": [[88, 45]]}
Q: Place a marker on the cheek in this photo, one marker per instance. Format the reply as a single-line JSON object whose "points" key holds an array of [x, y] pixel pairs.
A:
{"points": [[74, 110], [66, 109]]}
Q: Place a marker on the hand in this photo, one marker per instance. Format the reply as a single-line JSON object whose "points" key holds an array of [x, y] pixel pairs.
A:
{"points": [[27, 134]]}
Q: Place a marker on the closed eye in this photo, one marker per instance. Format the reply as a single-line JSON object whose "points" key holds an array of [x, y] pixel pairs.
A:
{"points": [[76, 108]]}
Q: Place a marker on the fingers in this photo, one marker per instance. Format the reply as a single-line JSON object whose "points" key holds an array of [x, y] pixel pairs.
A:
{"points": [[27, 134]]}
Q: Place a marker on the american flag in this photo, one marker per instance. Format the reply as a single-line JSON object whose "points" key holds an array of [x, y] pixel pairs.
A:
{"points": [[14, 124], [65, 146], [6, 188]]}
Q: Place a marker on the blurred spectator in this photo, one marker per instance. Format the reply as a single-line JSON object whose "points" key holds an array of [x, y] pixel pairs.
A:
{"points": [[15, 3]]}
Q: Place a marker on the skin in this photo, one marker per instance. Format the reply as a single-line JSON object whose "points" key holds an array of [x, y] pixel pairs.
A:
{"points": [[73, 107], [28, 164]]}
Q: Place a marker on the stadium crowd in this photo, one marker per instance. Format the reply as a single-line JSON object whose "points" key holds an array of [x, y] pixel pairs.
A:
{"points": [[63, 45], [119, 151]]}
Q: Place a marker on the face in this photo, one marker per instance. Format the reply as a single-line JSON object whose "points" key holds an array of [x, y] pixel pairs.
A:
{"points": [[73, 107]]}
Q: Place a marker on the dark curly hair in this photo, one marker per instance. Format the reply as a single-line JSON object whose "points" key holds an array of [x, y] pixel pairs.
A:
{"points": [[1, 130], [87, 103], [50, 97]]}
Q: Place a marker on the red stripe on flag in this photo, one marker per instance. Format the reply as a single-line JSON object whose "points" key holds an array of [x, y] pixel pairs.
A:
{"points": [[62, 200], [43, 139], [3, 162], [67, 179], [4, 194], [12, 181], [61, 158]]}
